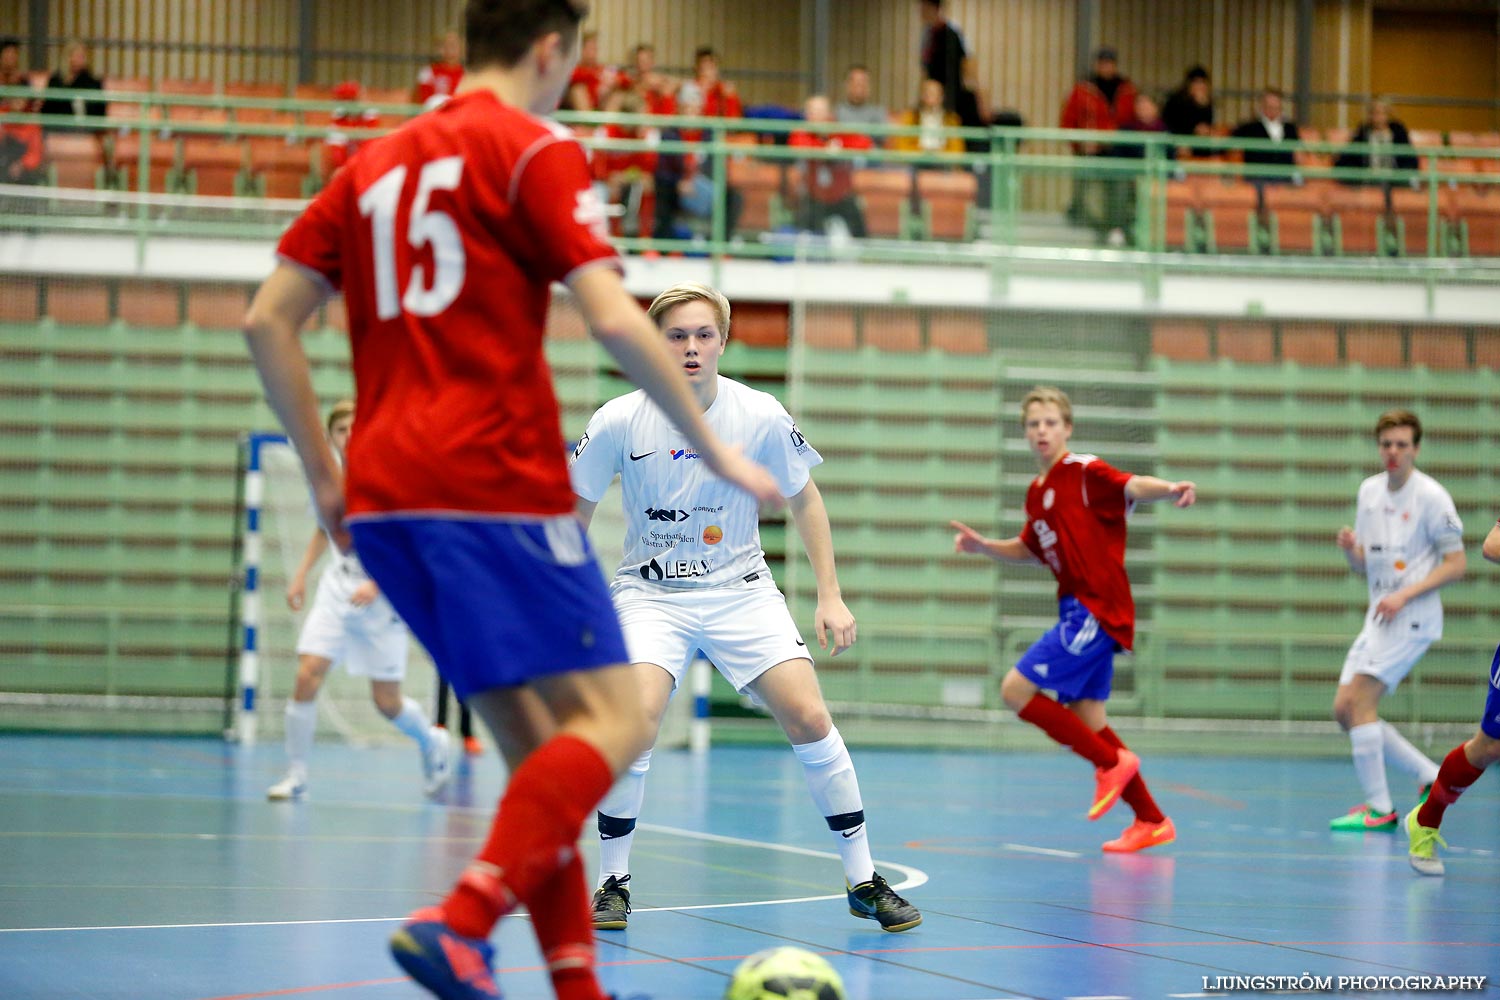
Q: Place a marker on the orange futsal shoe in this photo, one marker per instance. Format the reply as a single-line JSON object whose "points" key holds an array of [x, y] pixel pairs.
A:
{"points": [[1109, 782], [1140, 835]]}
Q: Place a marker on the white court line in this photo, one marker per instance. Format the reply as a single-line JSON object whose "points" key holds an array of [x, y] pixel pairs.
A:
{"points": [[1106, 997], [1049, 851], [913, 877], [1187, 996]]}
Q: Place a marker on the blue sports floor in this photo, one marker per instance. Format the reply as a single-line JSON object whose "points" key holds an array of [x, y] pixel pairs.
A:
{"points": [[155, 870]]}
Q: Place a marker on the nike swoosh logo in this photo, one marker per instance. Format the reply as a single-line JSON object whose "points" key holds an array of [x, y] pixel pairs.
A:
{"points": [[801, 643], [636, 458], [850, 833]]}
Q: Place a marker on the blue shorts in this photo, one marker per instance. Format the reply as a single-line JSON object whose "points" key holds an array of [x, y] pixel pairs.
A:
{"points": [[497, 603], [1075, 657], [1490, 724]]}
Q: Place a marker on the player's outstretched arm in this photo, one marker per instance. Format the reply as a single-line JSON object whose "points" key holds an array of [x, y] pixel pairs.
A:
{"points": [[277, 314], [1491, 548], [619, 323], [832, 617], [1149, 489], [296, 590], [1011, 550]]}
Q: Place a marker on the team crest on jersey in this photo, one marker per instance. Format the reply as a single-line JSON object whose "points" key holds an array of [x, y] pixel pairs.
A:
{"points": [[713, 535], [1048, 498], [666, 514]]}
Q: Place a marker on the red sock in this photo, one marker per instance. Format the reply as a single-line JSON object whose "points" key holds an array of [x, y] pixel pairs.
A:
{"points": [[564, 929], [1136, 795], [535, 833], [1454, 777], [1069, 730]]}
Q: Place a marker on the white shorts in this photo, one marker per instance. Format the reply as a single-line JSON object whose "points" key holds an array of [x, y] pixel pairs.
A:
{"points": [[744, 631], [371, 641], [1384, 653]]}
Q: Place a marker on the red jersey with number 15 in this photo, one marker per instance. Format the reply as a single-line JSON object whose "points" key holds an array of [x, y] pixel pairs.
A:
{"points": [[1075, 523], [445, 237]]}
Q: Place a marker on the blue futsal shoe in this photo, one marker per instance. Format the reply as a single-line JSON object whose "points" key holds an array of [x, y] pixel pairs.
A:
{"points": [[451, 966]]}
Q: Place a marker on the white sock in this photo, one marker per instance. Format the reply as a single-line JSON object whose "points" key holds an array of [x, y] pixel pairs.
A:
{"points": [[412, 721], [617, 815], [1369, 764], [1400, 751], [835, 789], [301, 725]]}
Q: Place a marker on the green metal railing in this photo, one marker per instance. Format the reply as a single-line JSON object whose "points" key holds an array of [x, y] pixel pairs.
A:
{"points": [[1010, 164]]}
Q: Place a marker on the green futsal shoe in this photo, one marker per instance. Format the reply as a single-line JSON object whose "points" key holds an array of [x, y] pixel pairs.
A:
{"points": [[1362, 819]]}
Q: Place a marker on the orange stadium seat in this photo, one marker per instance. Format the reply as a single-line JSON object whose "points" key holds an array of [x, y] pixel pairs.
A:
{"points": [[1231, 209], [1374, 345], [19, 299], [830, 326], [892, 329], [759, 184], [213, 164], [189, 88], [1298, 215], [282, 166], [314, 92], [1359, 211], [75, 158], [259, 116], [958, 332], [1479, 213], [949, 197], [217, 307], [1181, 340], [1410, 210], [885, 195], [127, 85], [150, 303], [78, 301], [1184, 203], [163, 156]]}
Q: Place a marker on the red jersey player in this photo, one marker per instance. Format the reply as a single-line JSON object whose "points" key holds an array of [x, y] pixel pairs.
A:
{"points": [[441, 77], [445, 237], [1075, 525], [1463, 765]]}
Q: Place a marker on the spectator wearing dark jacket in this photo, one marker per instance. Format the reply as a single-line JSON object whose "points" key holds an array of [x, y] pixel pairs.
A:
{"points": [[77, 76], [1390, 142], [1270, 123], [1189, 110]]}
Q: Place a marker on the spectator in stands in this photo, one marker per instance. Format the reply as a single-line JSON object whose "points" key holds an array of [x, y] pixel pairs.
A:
{"points": [[1389, 140], [720, 99], [441, 76], [628, 175], [685, 181], [76, 76], [1190, 109], [20, 145], [945, 53], [594, 78], [1100, 102], [1119, 202], [933, 118], [828, 185], [657, 89], [1269, 123], [856, 108], [350, 118], [11, 74]]}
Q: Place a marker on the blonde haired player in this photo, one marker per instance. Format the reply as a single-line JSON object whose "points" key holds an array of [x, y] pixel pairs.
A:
{"points": [[694, 577], [350, 623], [1407, 541], [1075, 526]]}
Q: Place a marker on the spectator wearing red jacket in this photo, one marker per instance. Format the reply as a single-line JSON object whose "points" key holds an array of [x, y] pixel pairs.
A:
{"points": [[1101, 102], [441, 76], [720, 99], [658, 90], [827, 188], [596, 79], [351, 117]]}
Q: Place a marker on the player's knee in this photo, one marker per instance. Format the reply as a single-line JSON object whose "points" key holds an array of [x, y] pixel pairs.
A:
{"points": [[1483, 750], [1016, 690], [808, 723], [388, 703]]}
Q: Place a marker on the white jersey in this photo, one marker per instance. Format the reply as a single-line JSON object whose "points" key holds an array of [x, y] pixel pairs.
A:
{"points": [[1405, 535], [684, 526]]}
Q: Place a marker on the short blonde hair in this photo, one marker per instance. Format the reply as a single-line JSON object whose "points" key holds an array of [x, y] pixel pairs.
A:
{"points": [[692, 291], [1399, 418], [343, 408], [1049, 394]]}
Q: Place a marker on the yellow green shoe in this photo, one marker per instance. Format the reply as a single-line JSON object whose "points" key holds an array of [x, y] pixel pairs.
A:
{"points": [[1423, 839], [1362, 819]]}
